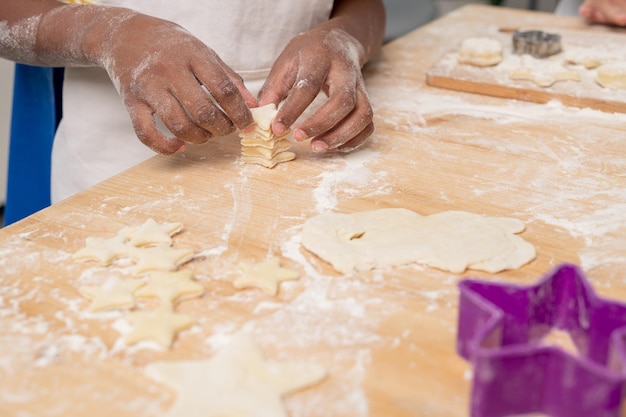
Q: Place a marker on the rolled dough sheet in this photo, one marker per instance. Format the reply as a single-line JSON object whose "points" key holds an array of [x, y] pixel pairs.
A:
{"points": [[453, 240]]}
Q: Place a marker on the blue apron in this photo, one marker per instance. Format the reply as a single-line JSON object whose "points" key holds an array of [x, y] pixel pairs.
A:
{"points": [[36, 112]]}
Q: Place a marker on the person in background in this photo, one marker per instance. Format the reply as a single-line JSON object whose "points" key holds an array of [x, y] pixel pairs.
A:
{"points": [[177, 73], [612, 12]]}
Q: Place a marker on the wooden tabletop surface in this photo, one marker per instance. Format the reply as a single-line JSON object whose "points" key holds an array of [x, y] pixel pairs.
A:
{"points": [[387, 337]]}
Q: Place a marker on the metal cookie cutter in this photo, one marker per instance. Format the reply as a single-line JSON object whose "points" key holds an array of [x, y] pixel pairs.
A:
{"points": [[536, 43], [500, 331]]}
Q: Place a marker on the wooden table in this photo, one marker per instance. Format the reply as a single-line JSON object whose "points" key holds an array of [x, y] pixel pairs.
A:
{"points": [[387, 336]]}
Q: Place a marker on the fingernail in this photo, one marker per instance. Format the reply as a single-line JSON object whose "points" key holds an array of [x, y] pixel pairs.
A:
{"points": [[182, 148], [299, 135], [319, 146], [278, 128]]}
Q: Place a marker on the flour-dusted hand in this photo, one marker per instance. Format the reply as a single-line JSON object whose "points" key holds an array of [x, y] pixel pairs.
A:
{"points": [[159, 68], [328, 59], [321, 60], [611, 12]]}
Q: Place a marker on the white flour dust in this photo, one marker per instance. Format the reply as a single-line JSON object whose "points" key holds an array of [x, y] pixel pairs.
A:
{"points": [[348, 175], [578, 184]]}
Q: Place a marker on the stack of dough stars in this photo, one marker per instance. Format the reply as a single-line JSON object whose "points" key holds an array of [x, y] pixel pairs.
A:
{"points": [[261, 146]]}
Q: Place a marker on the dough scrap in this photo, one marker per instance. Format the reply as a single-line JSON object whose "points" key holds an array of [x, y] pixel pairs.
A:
{"points": [[261, 146], [237, 381], [543, 79], [612, 75], [452, 241], [114, 293], [103, 250], [151, 233], [543, 72], [589, 58], [160, 325], [481, 52], [264, 116], [160, 257], [265, 275], [170, 287]]}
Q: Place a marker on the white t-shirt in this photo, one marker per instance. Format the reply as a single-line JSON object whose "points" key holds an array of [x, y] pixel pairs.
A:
{"points": [[95, 140]]}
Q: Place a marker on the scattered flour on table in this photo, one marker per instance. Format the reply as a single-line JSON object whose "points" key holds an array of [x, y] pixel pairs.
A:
{"points": [[348, 175], [569, 190]]}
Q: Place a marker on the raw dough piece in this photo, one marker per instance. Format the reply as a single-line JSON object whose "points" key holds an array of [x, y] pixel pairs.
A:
{"points": [[160, 257], [268, 163], [268, 153], [151, 233], [261, 146], [543, 72], [158, 325], [561, 339], [589, 58], [265, 275], [612, 75], [481, 52], [114, 293], [150, 245], [171, 287], [237, 381], [103, 250], [451, 240], [543, 79]]}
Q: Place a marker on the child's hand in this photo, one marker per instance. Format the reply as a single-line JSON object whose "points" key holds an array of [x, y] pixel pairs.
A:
{"points": [[159, 68], [323, 59], [604, 11]]}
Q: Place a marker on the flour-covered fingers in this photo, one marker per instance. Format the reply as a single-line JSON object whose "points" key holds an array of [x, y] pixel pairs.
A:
{"points": [[142, 117], [307, 86], [202, 110], [358, 118], [227, 89], [357, 141]]}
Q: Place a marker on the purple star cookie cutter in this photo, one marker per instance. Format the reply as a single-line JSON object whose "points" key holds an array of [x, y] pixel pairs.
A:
{"points": [[500, 332]]}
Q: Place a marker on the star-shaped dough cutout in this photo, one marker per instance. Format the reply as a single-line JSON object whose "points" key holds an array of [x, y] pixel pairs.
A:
{"points": [[103, 250], [237, 381], [151, 233], [161, 257], [160, 325], [265, 275], [114, 293], [171, 287]]}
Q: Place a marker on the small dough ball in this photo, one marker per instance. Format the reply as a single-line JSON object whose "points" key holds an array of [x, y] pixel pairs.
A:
{"points": [[481, 52], [612, 75]]}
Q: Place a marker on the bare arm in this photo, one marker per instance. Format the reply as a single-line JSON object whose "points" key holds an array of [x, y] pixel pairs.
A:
{"points": [[51, 33], [364, 20]]}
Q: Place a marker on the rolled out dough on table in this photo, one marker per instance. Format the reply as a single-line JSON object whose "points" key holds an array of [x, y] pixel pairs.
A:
{"points": [[452, 240]]}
